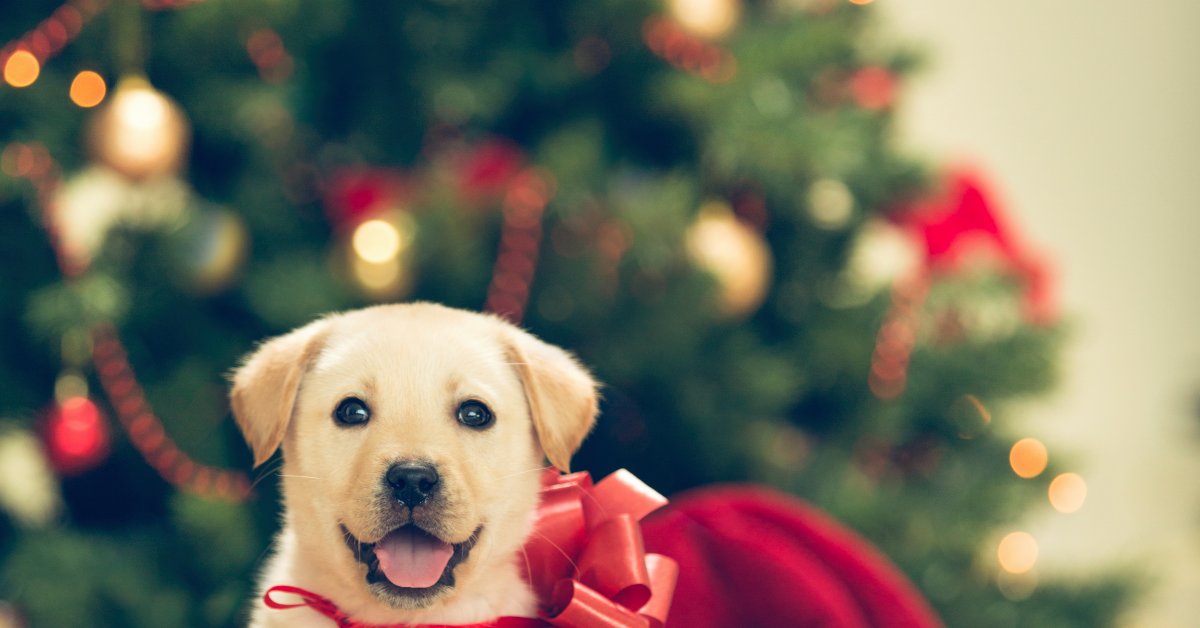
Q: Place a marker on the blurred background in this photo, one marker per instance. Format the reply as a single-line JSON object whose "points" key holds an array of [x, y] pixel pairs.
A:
{"points": [[920, 263]]}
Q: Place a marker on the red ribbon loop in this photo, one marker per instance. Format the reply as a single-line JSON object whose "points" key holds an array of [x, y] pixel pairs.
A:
{"points": [[588, 563], [320, 604]]}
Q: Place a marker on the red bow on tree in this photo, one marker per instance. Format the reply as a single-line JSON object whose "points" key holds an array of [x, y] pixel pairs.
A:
{"points": [[585, 561], [964, 221]]}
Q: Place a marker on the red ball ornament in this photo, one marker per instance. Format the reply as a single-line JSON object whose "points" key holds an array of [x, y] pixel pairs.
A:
{"points": [[489, 168], [873, 87], [76, 436], [354, 194]]}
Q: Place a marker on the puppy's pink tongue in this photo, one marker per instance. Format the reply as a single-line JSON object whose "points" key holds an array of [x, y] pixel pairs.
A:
{"points": [[412, 559]]}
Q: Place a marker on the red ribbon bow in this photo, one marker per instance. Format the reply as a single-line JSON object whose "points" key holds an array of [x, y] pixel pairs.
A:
{"points": [[585, 560]]}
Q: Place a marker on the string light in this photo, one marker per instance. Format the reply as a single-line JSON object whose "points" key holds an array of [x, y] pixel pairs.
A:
{"points": [[376, 241], [1067, 493], [1028, 458], [380, 254], [21, 69], [830, 203], [88, 89], [1017, 552], [706, 18]]}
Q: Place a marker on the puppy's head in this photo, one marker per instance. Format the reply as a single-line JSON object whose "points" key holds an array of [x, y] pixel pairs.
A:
{"points": [[413, 437]]}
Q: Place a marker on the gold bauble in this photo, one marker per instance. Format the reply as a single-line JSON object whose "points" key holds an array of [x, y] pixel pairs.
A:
{"points": [[733, 253], [140, 133]]}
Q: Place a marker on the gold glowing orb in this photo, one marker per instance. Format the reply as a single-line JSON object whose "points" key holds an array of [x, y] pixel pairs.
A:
{"points": [[21, 69], [1017, 552], [1028, 458], [706, 18], [733, 253], [1068, 492], [140, 132], [379, 255], [88, 89]]}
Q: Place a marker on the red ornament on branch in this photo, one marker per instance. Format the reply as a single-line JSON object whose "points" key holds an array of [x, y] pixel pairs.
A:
{"points": [[963, 225], [354, 194], [76, 436]]}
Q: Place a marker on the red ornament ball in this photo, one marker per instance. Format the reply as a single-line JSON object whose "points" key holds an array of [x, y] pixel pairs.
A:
{"points": [[76, 435], [873, 87]]}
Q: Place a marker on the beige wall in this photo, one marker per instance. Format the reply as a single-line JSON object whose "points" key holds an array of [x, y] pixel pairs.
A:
{"points": [[1087, 116]]}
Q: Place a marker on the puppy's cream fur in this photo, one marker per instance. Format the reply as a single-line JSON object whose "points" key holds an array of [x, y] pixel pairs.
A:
{"points": [[412, 365]]}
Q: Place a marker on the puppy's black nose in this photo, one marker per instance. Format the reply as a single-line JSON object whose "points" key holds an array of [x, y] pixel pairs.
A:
{"points": [[412, 482]]}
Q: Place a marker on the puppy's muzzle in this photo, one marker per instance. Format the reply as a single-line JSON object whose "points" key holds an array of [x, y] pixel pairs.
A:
{"points": [[412, 483]]}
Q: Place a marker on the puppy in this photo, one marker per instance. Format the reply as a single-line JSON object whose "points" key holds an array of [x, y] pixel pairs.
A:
{"points": [[413, 438]]}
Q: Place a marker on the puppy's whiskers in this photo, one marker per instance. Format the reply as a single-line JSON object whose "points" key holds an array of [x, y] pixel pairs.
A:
{"points": [[306, 477], [510, 475], [555, 546], [266, 472]]}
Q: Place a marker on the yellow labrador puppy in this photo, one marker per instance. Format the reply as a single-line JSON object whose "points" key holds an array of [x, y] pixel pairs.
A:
{"points": [[412, 437]]}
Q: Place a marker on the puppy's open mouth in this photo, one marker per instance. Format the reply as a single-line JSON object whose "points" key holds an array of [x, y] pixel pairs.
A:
{"points": [[409, 561]]}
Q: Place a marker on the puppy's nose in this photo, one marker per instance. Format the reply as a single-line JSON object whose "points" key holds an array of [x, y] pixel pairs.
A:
{"points": [[412, 482]]}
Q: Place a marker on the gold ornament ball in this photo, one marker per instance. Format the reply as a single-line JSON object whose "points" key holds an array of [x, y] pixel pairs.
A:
{"points": [[733, 253], [140, 133]]}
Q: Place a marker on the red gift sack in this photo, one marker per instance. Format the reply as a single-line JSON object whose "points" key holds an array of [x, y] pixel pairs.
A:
{"points": [[750, 556]]}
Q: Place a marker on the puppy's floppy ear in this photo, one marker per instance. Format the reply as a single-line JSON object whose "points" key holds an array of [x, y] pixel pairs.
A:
{"points": [[266, 384], [561, 393]]}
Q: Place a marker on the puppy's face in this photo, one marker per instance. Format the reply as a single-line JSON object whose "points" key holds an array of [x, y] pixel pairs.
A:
{"points": [[413, 442]]}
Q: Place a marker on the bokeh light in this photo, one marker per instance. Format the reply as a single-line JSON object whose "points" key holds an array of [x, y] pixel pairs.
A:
{"points": [[1068, 492], [830, 203], [1017, 552], [141, 132], [734, 254], [376, 241], [21, 69], [1028, 458], [88, 89], [706, 18]]}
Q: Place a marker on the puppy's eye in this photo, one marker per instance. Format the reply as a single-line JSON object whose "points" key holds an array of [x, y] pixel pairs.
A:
{"points": [[351, 411], [472, 413]]}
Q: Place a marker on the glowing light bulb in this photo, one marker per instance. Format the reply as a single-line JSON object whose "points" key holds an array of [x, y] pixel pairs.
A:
{"points": [[1017, 552], [88, 89], [1028, 458], [376, 241], [706, 18], [21, 69], [1067, 492], [830, 203]]}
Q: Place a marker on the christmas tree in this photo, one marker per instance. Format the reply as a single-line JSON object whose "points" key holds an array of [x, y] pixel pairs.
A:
{"points": [[699, 197]]}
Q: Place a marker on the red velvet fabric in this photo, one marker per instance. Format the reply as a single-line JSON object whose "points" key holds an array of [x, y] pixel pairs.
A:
{"points": [[750, 557]]}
